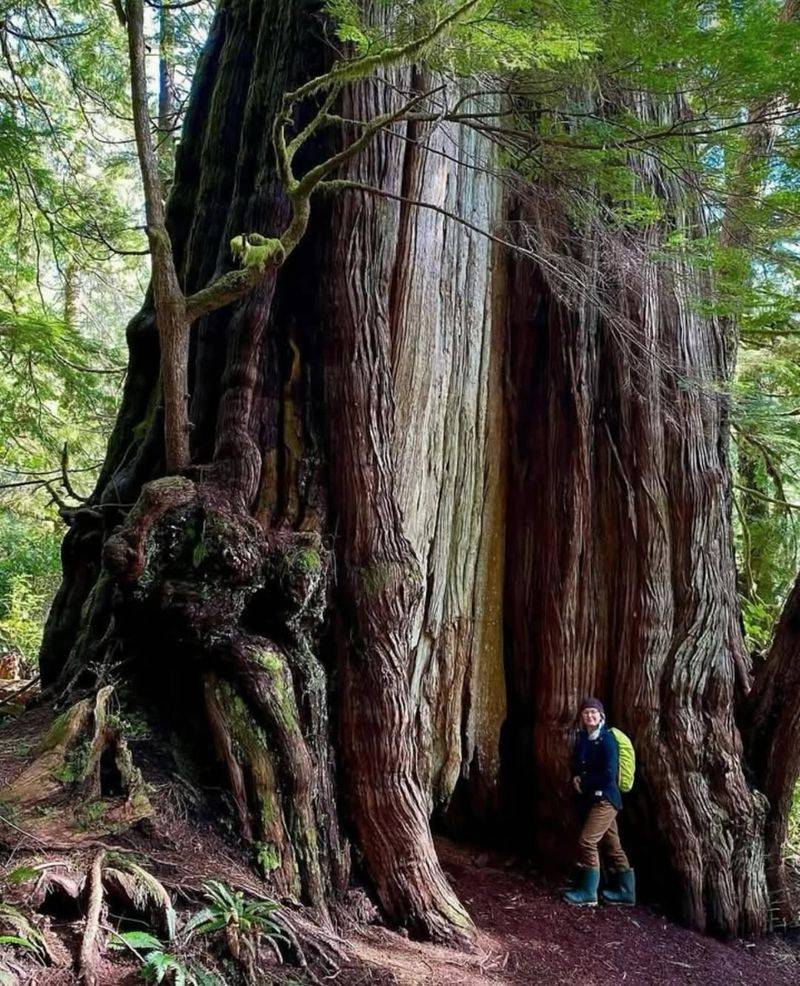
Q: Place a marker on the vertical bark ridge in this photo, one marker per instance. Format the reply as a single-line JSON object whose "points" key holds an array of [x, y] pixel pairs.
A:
{"points": [[380, 573], [558, 619], [443, 329], [253, 201], [237, 455]]}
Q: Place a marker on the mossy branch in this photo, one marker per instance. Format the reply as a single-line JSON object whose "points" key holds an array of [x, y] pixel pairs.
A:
{"points": [[332, 82], [258, 254], [226, 289], [253, 250], [362, 68]]}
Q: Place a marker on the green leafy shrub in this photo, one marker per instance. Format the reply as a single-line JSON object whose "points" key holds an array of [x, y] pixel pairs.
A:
{"points": [[759, 622], [158, 965], [244, 922], [30, 570], [229, 908]]}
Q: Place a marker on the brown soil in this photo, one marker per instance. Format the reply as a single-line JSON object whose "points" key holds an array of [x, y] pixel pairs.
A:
{"points": [[527, 934], [606, 945]]}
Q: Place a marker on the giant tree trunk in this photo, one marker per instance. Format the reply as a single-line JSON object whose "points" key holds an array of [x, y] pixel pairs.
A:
{"points": [[624, 579], [220, 576], [407, 449], [223, 572], [381, 578]]}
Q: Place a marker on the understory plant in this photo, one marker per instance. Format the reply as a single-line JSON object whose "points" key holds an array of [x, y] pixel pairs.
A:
{"points": [[157, 965], [792, 849], [16, 931], [245, 924]]}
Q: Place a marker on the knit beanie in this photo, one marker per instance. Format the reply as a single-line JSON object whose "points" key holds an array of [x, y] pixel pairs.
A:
{"points": [[593, 703]]}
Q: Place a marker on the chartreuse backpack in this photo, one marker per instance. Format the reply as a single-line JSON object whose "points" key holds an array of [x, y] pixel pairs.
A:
{"points": [[627, 760]]}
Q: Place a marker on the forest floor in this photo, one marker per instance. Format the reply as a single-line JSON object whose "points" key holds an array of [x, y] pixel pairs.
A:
{"points": [[527, 934]]}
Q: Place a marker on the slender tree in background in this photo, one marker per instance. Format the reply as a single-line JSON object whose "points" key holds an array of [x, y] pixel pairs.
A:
{"points": [[72, 266], [167, 110], [473, 382]]}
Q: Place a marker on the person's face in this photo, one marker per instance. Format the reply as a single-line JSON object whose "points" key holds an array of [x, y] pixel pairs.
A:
{"points": [[590, 719]]}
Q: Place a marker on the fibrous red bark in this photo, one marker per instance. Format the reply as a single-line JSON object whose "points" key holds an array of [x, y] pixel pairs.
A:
{"points": [[627, 578], [432, 490]]}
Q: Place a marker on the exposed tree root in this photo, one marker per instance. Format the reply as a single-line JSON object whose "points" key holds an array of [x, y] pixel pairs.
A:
{"points": [[122, 887], [214, 616], [82, 783], [329, 949], [239, 613], [87, 964], [139, 891], [57, 883]]}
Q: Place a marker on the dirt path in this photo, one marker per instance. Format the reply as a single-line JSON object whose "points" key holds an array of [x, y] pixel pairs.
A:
{"points": [[529, 936]]}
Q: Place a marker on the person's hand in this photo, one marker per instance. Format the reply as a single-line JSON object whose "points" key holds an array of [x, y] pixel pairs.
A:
{"points": [[576, 783]]}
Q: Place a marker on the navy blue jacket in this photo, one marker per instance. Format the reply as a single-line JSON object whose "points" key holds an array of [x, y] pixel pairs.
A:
{"points": [[596, 762]]}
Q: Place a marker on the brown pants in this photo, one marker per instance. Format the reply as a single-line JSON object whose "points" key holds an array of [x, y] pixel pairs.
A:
{"points": [[600, 829]]}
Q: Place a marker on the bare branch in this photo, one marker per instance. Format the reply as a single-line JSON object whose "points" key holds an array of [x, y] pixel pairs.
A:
{"points": [[315, 175], [223, 291], [767, 499], [170, 304]]}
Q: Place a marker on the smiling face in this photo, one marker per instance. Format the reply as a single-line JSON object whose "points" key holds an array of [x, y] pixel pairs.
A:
{"points": [[590, 719]]}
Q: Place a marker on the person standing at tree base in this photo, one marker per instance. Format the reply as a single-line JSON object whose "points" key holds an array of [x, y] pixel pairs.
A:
{"points": [[594, 777]]}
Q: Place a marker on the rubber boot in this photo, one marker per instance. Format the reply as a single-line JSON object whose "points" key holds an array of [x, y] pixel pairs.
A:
{"points": [[572, 881], [585, 893], [626, 889]]}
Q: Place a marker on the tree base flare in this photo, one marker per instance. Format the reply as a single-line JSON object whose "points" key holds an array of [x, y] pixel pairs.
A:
{"points": [[215, 627]]}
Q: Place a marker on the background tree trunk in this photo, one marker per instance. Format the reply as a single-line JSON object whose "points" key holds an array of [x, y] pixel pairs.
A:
{"points": [[773, 733], [167, 109]]}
